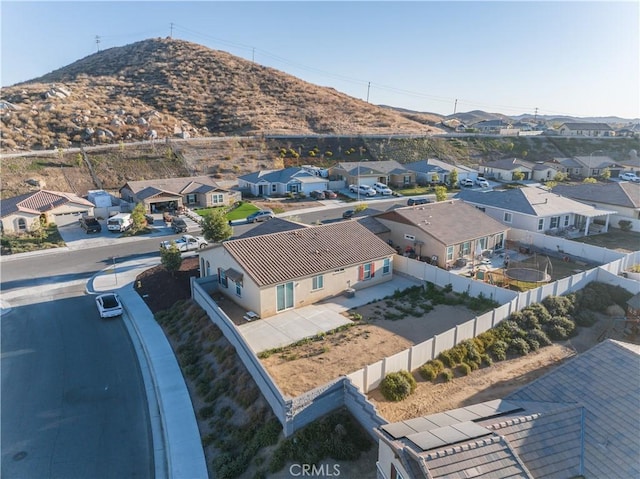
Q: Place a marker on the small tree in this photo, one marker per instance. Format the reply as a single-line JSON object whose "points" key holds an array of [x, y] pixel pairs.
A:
{"points": [[560, 176], [589, 180], [137, 216], [453, 178], [518, 175], [435, 178], [171, 258], [216, 227], [606, 174], [441, 193]]}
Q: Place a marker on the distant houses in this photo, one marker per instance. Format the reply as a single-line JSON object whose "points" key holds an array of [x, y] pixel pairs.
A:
{"points": [[586, 129]]}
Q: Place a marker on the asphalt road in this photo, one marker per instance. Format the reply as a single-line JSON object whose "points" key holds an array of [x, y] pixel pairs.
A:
{"points": [[73, 399]]}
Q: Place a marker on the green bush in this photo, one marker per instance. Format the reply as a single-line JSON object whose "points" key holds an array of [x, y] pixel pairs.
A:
{"points": [[447, 359], [395, 387], [519, 346], [464, 369], [508, 330], [487, 360], [499, 350], [539, 336], [446, 375], [559, 328], [595, 296], [558, 305], [585, 318], [430, 370], [540, 312]]}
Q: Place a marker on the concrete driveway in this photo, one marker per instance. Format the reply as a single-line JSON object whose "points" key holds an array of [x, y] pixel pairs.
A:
{"points": [[296, 324]]}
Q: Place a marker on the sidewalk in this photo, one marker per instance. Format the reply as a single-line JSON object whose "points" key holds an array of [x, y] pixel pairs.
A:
{"points": [[176, 439]]}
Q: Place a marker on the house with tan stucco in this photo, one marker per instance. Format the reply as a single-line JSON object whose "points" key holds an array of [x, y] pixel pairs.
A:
{"points": [[271, 273]]}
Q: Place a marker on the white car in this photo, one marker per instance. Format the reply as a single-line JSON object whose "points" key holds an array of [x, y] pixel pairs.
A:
{"points": [[466, 182], [630, 177], [383, 189], [482, 182], [363, 190], [109, 305]]}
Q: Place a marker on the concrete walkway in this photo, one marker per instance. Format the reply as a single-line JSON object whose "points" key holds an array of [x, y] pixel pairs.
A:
{"points": [[177, 447], [296, 324]]}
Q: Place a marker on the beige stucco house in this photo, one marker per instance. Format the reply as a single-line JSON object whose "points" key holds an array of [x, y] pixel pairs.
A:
{"points": [[271, 273], [364, 172], [173, 193], [21, 214], [443, 232]]}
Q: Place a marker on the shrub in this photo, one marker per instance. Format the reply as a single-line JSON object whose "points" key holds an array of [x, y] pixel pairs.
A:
{"points": [[447, 358], [625, 225], [595, 296], [508, 330], [585, 318], [446, 375], [397, 386], [560, 327], [519, 346], [540, 312], [538, 336], [499, 350], [464, 369], [486, 360], [430, 370], [558, 305]]}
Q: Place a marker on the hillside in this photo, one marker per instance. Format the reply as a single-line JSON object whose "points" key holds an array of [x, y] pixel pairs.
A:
{"points": [[167, 88]]}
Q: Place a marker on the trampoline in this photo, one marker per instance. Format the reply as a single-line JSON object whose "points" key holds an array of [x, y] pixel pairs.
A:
{"points": [[527, 275]]}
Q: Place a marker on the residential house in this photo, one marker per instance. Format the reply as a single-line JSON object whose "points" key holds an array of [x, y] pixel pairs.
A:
{"points": [[442, 233], [426, 169], [21, 214], [173, 193], [271, 273], [539, 210], [586, 129], [586, 166], [389, 172], [506, 169], [623, 197], [292, 180], [579, 420], [491, 126]]}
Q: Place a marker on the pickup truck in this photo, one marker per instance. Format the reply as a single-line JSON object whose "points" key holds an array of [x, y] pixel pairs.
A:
{"points": [[186, 243]]}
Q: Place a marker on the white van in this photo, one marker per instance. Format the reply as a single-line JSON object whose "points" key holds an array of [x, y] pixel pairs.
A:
{"points": [[120, 222]]}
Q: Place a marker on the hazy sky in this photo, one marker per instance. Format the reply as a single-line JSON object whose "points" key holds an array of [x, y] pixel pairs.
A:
{"points": [[574, 58]]}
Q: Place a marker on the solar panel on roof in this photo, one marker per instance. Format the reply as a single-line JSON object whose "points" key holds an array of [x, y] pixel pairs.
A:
{"points": [[441, 419], [425, 440], [463, 414], [398, 429], [447, 435]]}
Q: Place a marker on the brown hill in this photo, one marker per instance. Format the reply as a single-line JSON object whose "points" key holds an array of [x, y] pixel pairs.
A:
{"points": [[164, 88]]}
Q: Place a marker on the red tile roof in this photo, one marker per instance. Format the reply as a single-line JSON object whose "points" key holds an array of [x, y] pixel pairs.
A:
{"points": [[39, 202]]}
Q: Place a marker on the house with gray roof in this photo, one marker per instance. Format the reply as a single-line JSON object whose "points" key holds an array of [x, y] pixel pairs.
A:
{"points": [[442, 233], [586, 166], [586, 129], [21, 214], [365, 172], [292, 180], [274, 272], [173, 193], [540, 210], [579, 420], [505, 170], [427, 170]]}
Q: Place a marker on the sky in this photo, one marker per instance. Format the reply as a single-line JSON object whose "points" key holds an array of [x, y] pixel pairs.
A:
{"points": [[513, 57]]}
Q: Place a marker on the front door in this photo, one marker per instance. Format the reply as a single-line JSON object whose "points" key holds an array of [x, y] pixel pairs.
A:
{"points": [[284, 294]]}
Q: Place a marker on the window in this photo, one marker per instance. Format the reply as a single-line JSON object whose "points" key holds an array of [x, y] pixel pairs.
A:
{"points": [[338, 271], [409, 237], [482, 242], [540, 224], [222, 278], [239, 289], [191, 198], [22, 224], [217, 198], [555, 222], [407, 180], [566, 220], [507, 217], [284, 296], [274, 188], [499, 241], [465, 249], [293, 187], [318, 282], [367, 271], [386, 266], [449, 253]]}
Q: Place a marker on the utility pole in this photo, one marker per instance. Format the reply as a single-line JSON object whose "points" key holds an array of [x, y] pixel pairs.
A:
{"points": [[535, 116], [368, 88], [98, 42], [171, 34], [253, 54], [455, 106]]}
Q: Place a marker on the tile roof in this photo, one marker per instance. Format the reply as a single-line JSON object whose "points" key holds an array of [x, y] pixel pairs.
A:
{"points": [[603, 380], [596, 161], [174, 186], [39, 202], [625, 193], [587, 126], [431, 164], [529, 200], [567, 162], [284, 176], [450, 222], [284, 256], [372, 167], [507, 164], [275, 225]]}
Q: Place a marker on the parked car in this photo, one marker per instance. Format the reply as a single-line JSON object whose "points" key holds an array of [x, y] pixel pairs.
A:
{"points": [[120, 223], [480, 181], [90, 224], [109, 305], [330, 194], [150, 219], [383, 189], [348, 214], [466, 182], [418, 201], [317, 194], [186, 243], [179, 225], [630, 177], [362, 189], [261, 215]]}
